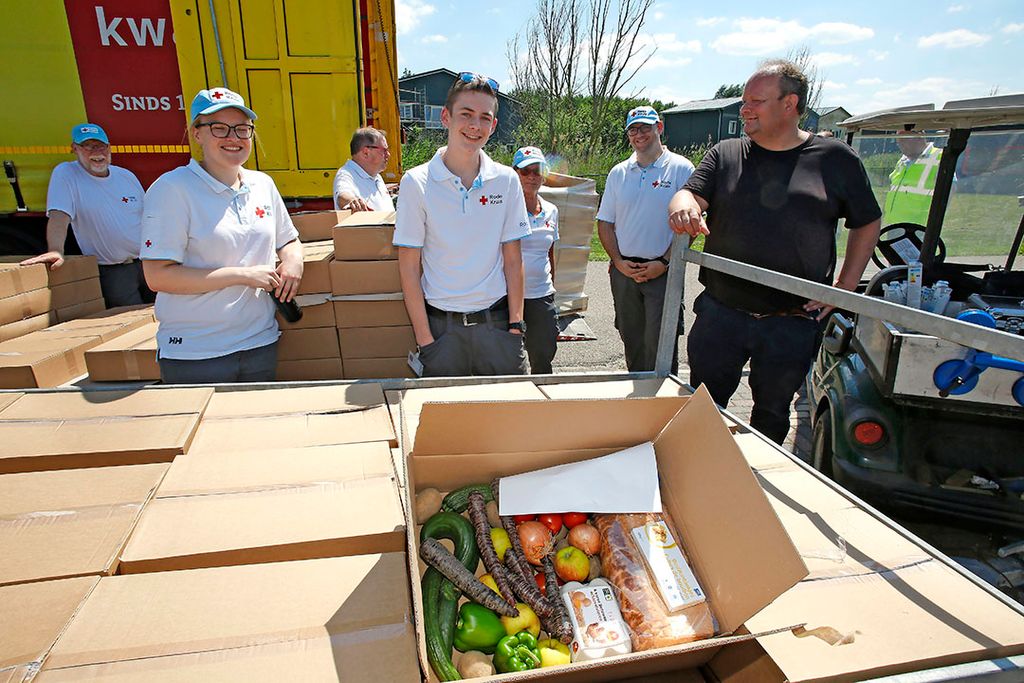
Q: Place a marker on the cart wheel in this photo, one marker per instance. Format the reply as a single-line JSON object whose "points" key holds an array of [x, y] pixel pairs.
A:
{"points": [[821, 444]]}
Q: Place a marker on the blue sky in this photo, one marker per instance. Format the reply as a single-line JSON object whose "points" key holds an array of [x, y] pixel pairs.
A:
{"points": [[933, 52]]}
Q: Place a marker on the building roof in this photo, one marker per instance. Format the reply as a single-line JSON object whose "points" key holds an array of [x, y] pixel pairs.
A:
{"points": [[825, 111], [703, 105], [454, 75]]}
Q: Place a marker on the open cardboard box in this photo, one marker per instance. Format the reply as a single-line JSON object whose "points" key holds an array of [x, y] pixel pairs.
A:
{"points": [[737, 547]]}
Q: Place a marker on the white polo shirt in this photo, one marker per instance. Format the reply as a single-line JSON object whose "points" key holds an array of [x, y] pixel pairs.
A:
{"points": [[353, 179], [636, 201], [194, 219], [460, 230], [536, 245], [106, 213]]}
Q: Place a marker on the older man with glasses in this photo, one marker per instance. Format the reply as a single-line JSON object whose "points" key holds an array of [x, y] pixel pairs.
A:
{"points": [[358, 185], [632, 223], [103, 204]]}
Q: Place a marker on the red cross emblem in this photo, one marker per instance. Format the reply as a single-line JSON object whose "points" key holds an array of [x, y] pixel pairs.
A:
{"points": [[217, 94], [260, 212], [526, 152], [483, 201], [124, 199], [149, 243], [654, 184]]}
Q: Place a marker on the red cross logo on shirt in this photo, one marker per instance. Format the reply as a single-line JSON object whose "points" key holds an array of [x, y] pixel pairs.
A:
{"points": [[260, 212], [149, 243], [654, 184], [483, 201], [124, 199], [217, 94]]}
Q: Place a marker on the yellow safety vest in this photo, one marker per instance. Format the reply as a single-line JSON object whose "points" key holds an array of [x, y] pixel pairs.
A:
{"points": [[912, 183]]}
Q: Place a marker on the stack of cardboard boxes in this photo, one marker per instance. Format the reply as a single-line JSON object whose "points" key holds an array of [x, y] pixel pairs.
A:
{"points": [[373, 327], [577, 202], [35, 297]]}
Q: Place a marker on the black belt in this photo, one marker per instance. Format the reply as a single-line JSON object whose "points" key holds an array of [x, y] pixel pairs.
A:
{"points": [[474, 318], [637, 259]]}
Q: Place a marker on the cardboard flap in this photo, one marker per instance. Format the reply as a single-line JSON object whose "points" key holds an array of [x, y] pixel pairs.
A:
{"points": [[621, 388], [509, 426], [369, 219], [89, 405], [34, 614], [6, 400], [731, 546], [290, 401]]}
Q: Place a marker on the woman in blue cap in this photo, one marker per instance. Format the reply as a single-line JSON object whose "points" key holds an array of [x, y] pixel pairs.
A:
{"points": [[211, 232], [538, 262]]}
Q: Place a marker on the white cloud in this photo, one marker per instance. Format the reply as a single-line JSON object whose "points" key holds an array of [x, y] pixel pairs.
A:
{"points": [[710, 21], [832, 85], [660, 62], [1013, 28], [868, 81], [667, 42], [937, 90], [878, 55], [762, 36], [659, 16], [409, 13], [436, 38], [953, 9], [670, 94], [823, 60], [961, 37]]}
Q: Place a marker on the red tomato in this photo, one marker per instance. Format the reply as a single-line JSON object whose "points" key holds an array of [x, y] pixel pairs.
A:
{"points": [[539, 578], [572, 519], [524, 518], [552, 521]]}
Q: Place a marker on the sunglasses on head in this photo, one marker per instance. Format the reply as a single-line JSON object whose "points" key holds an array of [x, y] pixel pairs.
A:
{"points": [[469, 77]]}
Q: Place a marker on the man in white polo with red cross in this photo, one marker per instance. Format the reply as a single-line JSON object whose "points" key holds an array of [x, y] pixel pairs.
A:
{"points": [[460, 219], [632, 223]]}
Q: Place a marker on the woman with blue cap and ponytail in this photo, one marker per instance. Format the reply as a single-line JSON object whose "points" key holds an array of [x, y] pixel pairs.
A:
{"points": [[211, 233]]}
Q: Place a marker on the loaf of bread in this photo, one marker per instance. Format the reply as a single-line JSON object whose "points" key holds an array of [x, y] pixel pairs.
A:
{"points": [[651, 623]]}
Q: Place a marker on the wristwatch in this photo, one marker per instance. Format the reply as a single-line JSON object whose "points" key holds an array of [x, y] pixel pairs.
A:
{"points": [[521, 326], [663, 260]]}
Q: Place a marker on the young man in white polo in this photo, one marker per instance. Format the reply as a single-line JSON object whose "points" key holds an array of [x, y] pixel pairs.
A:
{"points": [[460, 219], [632, 223], [358, 185]]}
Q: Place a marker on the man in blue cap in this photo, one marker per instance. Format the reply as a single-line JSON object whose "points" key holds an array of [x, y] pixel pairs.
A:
{"points": [[103, 203], [632, 223]]}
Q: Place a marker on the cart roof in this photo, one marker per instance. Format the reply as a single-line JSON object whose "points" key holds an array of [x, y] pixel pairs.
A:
{"points": [[986, 111]]}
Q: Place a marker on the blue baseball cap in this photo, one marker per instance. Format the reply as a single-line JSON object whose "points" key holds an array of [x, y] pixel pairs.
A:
{"points": [[88, 131], [525, 156], [215, 99], [641, 115]]}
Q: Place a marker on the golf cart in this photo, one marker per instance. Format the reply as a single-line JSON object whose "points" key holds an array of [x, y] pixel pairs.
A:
{"points": [[912, 421]]}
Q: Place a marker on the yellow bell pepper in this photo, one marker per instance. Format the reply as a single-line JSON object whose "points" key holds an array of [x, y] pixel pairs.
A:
{"points": [[553, 652]]}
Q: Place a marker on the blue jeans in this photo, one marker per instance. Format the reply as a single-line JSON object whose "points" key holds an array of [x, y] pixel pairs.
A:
{"points": [[251, 365], [780, 349]]}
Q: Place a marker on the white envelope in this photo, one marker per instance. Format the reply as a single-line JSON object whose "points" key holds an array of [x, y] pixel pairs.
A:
{"points": [[624, 481]]}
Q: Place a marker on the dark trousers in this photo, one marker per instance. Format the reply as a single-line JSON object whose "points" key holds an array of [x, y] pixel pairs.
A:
{"points": [[251, 365], [541, 333], [483, 347], [780, 349], [638, 307], [123, 284]]}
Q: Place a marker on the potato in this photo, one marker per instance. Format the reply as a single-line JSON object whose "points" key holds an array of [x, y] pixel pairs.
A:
{"points": [[492, 515], [428, 503], [475, 664]]}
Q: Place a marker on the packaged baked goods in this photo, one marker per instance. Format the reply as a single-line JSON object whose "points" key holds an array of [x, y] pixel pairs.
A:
{"points": [[660, 599], [597, 626]]}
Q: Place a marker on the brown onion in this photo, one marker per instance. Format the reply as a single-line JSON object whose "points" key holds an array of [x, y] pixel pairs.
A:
{"points": [[536, 541], [586, 538]]}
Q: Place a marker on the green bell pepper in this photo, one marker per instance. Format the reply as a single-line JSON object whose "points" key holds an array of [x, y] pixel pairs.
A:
{"points": [[477, 628], [517, 653]]}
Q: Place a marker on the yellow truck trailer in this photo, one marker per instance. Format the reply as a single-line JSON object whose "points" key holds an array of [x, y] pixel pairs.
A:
{"points": [[314, 71]]}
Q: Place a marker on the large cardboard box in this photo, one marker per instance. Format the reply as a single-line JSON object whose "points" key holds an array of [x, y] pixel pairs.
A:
{"points": [[316, 226], [34, 616], [309, 370], [344, 619], [376, 342], [316, 275], [74, 293], [97, 429], [365, 277], [80, 310], [15, 279], [270, 506], [71, 522], [22, 327], [132, 356], [317, 311], [25, 305], [366, 236], [308, 344], [370, 310], [618, 388], [74, 268], [378, 368], [293, 417], [739, 550]]}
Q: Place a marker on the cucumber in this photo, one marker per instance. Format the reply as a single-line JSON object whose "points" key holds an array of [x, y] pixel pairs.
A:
{"points": [[458, 500], [440, 596]]}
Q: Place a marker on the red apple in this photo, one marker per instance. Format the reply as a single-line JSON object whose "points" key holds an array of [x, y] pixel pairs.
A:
{"points": [[572, 564]]}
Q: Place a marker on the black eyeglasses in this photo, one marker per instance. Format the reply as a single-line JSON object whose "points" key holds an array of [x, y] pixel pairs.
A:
{"points": [[243, 131], [469, 77], [385, 150]]}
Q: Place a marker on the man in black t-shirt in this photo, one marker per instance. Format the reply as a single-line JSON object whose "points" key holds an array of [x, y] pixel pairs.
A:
{"points": [[773, 200]]}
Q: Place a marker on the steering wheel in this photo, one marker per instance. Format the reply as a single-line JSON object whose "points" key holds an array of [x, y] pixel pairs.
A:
{"points": [[899, 240]]}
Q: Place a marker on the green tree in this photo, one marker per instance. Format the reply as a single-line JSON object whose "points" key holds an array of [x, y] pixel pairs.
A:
{"points": [[727, 90]]}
